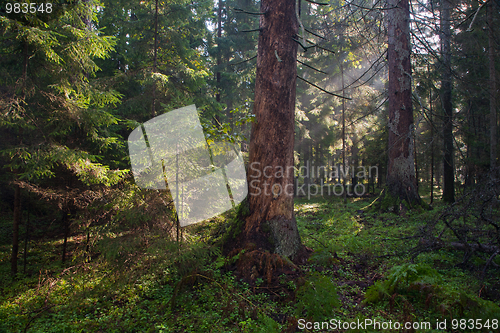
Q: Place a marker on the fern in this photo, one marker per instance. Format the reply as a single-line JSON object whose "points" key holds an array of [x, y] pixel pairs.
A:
{"points": [[317, 297], [402, 277]]}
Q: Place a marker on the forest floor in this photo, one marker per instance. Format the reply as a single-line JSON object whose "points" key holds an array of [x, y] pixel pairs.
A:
{"points": [[361, 270]]}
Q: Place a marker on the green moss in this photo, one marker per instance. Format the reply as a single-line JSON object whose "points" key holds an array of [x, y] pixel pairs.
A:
{"points": [[404, 204], [389, 203], [243, 209], [271, 241], [266, 228], [236, 227]]}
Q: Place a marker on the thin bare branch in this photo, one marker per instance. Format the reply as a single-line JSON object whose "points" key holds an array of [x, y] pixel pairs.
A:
{"points": [[317, 70], [477, 12], [241, 62], [318, 3], [239, 10], [315, 34], [323, 90], [252, 30]]}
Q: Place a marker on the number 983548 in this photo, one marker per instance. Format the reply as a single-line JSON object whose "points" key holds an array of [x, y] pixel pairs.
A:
{"points": [[25, 8]]}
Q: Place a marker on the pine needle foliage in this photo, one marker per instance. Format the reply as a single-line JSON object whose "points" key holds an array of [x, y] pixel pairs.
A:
{"points": [[54, 112]]}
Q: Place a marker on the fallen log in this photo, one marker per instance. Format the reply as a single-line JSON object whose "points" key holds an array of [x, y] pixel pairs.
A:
{"points": [[475, 247]]}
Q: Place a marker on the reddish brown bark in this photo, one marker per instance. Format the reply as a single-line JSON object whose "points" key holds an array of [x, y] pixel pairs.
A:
{"points": [[271, 223], [401, 180]]}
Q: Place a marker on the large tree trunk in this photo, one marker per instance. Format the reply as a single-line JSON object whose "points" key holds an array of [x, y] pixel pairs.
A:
{"points": [[401, 180], [493, 87], [271, 223], [448, 169]]}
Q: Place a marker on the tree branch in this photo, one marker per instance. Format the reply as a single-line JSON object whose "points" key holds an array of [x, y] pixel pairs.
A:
{"points": [[489, 262], [241, 62], [252, 30], [239, 10], [317, 70], [477, 12], [315, 34], [298, 42], [318, 3], [475, 246], [313, 45], [323, 90]]}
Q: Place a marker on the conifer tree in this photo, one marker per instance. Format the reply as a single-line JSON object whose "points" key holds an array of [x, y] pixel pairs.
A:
{"points": [[401, 180], [270, 195], [53, 114]]}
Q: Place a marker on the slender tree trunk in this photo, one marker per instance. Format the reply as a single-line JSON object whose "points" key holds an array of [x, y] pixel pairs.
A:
{"points": [[317, 162], [493, 88], [229, 115], [25, 67], [379, 178], [26, 241], [155, 59], [468, 143], [307, 163], [415, 157], [401, 180], [432, 146], [328, 167], [300, 152], [87, 242], [219, 51], [448, 168], [355, 160], [344, 165], [87, 20], [15, 230], [270, 196], [65, 222], [17, 189]]}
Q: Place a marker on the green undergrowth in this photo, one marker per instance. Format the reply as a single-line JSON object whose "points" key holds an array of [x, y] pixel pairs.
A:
{"points": [[367, 255], [409, 286], [137, 278]]}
